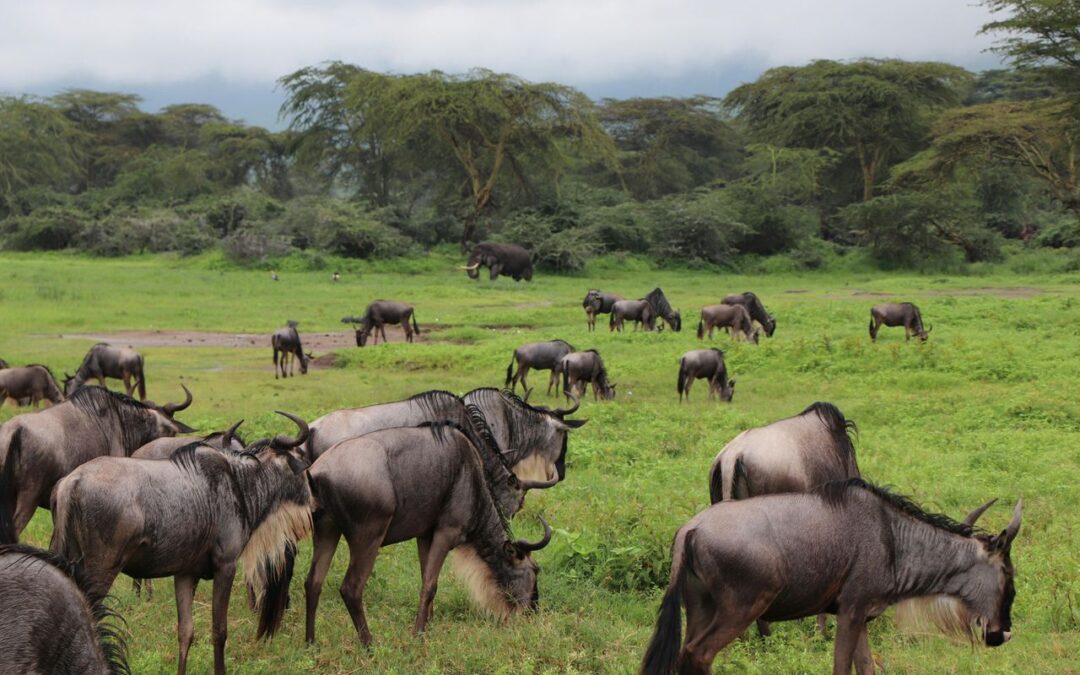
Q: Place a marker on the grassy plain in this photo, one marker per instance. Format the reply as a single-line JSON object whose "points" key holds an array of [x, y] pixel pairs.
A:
{"points": [[988, 407]]}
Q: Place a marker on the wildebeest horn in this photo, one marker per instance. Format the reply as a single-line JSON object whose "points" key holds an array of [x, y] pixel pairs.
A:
{"points": [[171, 409], [227, 437], [930, 328], [284, 442], [468, 267], [970, 519], [563, 412], [526, 546], [538, 484]]}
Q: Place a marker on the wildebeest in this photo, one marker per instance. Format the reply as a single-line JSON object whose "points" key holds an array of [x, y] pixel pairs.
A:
{"points": [[380, 313], [757, 310], [795, 454], [848, 548], [537, 356], [705, 364], [31, 383], [286, 342], [51, 624], [894, 314], [533, 439], [734, 317], [93, 422], [662, 308], [103, 360], [507, 259], [192, 517], [581, 368], [638, 311], [3, 364], [597, 302], [427, 484]]}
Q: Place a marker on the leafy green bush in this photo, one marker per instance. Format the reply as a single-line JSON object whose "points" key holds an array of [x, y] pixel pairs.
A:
{"points": [[154, 232], [695, 228], [47, 229]]}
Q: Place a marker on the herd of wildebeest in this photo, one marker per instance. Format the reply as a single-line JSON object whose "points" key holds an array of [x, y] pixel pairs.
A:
{"points": [[793, 530]]}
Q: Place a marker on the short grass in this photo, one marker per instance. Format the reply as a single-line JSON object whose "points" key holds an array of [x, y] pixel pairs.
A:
{"points": [[988, 407]]}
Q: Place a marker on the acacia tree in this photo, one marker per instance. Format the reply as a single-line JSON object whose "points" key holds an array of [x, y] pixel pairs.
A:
{"points": [[37, 148], [1042, 35]]}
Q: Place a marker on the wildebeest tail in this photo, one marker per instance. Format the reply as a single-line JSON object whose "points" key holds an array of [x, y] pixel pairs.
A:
{"points": [[510, 369], [701, 329], [416, 328], [662, 655], [682, 377], [276, 592], [740, 482], [8, 493], [871, 325], [716, 483], [142, 380], [66, 517], [611, 320]]}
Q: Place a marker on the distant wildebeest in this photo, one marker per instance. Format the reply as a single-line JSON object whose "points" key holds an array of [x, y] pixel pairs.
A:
{"points": [[894, 314], [638, 311], [51, 624], [93, 422], [662, 308], [3, 364], [31, 384], [336, 277], [597, 302], [705, 364], [848, 548], [533, 439], [734, 317], [428, 484], [509, 260], [581, 368], [757, 310], [795, 454], [192, 517], [380, 313], [537, 356], [103, 360], [286, 343]]}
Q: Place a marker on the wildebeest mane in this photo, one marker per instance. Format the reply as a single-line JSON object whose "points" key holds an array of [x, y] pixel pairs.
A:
{"points": [[522, 418], [132, 416], [836, 492], [48, 370], [659, 302], [434, 403], [841, 429]]}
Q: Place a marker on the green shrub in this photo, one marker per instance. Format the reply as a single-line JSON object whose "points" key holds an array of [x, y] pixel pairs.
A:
{"points": [[46, 229]]}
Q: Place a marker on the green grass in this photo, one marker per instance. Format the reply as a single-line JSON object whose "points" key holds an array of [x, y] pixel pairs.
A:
{"points": [[988, 407]]}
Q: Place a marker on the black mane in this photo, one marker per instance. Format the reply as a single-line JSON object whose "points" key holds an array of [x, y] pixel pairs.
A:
{"points": [[132, 416], [836, 492], [659, 302]]}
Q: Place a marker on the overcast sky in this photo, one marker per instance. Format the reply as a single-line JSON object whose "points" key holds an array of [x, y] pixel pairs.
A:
{"points": [[230, 52]]}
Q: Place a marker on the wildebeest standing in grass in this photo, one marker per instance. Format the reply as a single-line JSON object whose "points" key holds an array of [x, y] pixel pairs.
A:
{"points": [[507, 259], [50, 624], [380, 313], [537, 356], [848, 548], [795, 454], [733, 317], [663, 309], [705, 364], [757, 310], [597, 302], [428, 484], [581, 368], [30, 383], [638, 311], [894, 314], [192, 517], [286, 343], [103, 360], [93, 422]]}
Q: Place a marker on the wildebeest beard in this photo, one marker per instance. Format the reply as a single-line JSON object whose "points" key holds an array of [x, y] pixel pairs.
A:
{"points": [[133, 420]]}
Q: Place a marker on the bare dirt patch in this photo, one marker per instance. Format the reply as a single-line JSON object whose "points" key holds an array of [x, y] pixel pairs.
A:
{"points": [[998, 292]]}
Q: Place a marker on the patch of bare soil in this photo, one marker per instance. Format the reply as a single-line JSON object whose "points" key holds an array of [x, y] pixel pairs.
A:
{"points": [[797, 290], [998, 292]]}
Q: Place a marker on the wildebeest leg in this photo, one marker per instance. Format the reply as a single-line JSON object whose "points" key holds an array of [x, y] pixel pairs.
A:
{"points": [[864, 661], [223, 581], [823, 625], [553, 380], [275, 363], [382, 329], [728, 621], [127, 383], [363, 549], [25, 505], [325, 537], [138, 584], [849, 631], [185, 626], [437, 550], [764, 628]]}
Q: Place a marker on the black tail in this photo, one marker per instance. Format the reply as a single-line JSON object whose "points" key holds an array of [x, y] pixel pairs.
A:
{"points": [[871, 327], [142, 381], [701, 329], [663, 653], [740, 485], [416, 328], [510, 369], [716, 483], [8, 493], [276, 594], [566, 383], [682, 378]]}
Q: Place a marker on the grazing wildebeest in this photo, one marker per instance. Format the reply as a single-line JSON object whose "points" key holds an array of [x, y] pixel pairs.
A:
{"points": [[286, 342], [848, 548], [103, 360], [380, 313], [638, 311], [192, 517], [705, 364], [507, 259], [428, 484], [757, 310], [581, 368], [662, 308], [894, 314], [50, 623], [30, 383], [537, 356], [597, 302], [93, 422], [796, 454], [734, 317]]}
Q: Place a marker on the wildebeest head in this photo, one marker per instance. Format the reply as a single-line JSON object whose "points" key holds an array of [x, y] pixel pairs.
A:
{"points": [[305, 357], [164, 415], [726, 390], [995, 607], [675, 319], [524, 591]]}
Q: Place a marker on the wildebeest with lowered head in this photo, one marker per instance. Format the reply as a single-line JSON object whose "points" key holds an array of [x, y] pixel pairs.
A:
{"points": [[894, 314], [31, 383], [93, 422], [733, 317], [286, 342], [537, 356], [428, 484], [848, 548], [662, 308], [638, 311], [163, 448], [192, 517], [757, 310], [597, 302], [507, 259], [380, 313], [705, 364], [103, 360], [581, 368]]}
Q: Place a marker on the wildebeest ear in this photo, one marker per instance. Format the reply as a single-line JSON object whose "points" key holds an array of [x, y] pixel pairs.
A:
{"points": [[574, 424], [1003, 541], [731, 383], [296, 463], [512, 481], [512, 551]]}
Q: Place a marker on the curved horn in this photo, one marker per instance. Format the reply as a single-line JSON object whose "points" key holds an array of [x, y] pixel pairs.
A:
{"points": [[563, 412], [929, 328], [171, 409], [970, 519], [525, 546], [538, 484], [284, 442], [470, 268], [230, 433]]}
